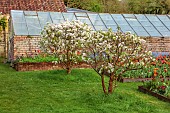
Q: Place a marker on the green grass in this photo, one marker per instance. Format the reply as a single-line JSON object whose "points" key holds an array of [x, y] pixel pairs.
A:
{"points": [[79, 92]]}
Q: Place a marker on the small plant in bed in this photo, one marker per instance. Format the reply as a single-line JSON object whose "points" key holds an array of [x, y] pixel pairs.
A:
{"points": [[159, 82], [36, 57], [159, 86], [161, 66]]}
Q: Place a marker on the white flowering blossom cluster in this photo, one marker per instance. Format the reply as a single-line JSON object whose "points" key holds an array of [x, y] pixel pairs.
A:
{"points": [[115, 53], [111, 51], [107, 52], [65, 40]]}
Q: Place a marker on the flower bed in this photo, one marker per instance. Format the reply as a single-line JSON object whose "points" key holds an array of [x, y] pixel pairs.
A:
{"points": [[160, 69], [139, 79], [35, 66], [159, 96]]}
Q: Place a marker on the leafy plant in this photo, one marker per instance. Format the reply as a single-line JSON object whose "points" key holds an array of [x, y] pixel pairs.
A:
{"points": [[65, 41], [38, 58], [161, 70], [113, 54]]}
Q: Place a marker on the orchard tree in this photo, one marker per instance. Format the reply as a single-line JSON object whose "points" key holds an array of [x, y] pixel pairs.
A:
{"points": [[113, 54], [65, 41]]}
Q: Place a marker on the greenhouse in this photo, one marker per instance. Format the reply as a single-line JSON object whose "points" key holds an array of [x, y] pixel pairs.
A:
{"points": [[26, 24]]}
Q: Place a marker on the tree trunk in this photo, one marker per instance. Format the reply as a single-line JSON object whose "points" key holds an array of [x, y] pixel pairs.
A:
{"points": [[103, 84], [110, 88], [68, 70]]}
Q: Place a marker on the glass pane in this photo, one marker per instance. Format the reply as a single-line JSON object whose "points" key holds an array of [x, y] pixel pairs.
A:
{"points": [[94, 16], [118, 17], [157, 23], [20, 29], [17, 13], [168, 16], [145, 23], [31, 19], [134, 23], [162, 28], [106, 16], [163, 17], [138, 28], [168, 27], [17, 16], [58, 21], [34, 30], [44, 17], [150, 28], [142, 33], [141, 17], [109, 22], [56, 15], [69, 16], [129, 16], [33, 25], [97, 22], [84, 20], [152, 31], [30, 13], [126, 28], [155, 34], [80, 14], [122, 22], [103, 28], [165, 33], [152, 17], [113, 27], [166, 23]]}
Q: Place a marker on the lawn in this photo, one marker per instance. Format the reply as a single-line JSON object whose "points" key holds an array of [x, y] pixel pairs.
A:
{"points": [[79, 92]]}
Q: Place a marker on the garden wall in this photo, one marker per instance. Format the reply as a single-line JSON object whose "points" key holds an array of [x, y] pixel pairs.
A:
{"points": [[159, 44], [44, 66], [26, 45]]}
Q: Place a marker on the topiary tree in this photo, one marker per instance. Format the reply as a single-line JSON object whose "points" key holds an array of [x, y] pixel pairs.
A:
{"points": [[113, 54], [65, 41]]}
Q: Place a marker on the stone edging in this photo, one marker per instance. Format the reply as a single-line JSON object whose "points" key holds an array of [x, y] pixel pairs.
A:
{"points": [[44, 66], [161, 97], [138, 79]]}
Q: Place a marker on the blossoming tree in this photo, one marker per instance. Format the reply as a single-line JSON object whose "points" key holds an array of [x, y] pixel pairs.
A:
{"points": [[65, 41], [113, 54]]}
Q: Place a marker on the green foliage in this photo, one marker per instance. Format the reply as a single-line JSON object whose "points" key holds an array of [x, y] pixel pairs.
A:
{"points": [[122, 6], [148, 6], [3, 23], [53, 92], [157, 85], [38, 58], [91, 5]]}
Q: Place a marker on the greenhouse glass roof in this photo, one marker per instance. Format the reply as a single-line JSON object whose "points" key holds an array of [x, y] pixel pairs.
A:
{"points": [[145, 25]]}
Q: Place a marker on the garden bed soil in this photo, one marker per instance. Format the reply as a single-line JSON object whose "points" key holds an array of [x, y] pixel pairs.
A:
{"points": [[161, 97], [44, 66], [138, 79]]}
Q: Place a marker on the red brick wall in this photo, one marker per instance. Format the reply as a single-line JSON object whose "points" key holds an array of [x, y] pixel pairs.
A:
{"points": [[45, 66], [32, 5], [22, 45], [159, 44]]}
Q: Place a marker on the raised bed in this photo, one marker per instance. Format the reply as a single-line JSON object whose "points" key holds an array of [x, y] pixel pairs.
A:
{"points": [[161, 97], [43, 66], [138, 79]]}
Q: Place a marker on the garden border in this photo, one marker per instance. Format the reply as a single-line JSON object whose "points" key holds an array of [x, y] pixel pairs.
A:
{"points": [[138, 79], [38, 66], [161, 97]]}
